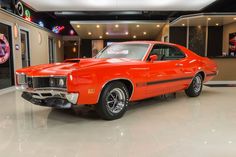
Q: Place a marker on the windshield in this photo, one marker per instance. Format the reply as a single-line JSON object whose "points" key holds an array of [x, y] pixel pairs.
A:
{"points": [[131, 51]]}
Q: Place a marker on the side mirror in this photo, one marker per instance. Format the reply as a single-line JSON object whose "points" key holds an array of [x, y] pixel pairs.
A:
{"points": [[153, 58]]}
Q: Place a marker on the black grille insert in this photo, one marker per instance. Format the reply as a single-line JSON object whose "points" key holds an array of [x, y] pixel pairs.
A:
{"points": [[46, 82]]}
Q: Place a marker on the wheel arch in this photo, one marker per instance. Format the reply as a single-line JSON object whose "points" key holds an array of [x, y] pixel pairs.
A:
{"points": [[202, 73], [128, 83]]}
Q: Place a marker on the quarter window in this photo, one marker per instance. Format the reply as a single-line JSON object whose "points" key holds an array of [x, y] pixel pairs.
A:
{"points": [[166, 52]]}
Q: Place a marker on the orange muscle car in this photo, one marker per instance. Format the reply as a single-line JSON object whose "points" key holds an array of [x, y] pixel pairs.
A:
{"points": [[120, 73]]}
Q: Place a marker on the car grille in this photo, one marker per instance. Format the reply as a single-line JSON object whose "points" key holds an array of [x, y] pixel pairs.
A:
{"points": [[45, 82]]}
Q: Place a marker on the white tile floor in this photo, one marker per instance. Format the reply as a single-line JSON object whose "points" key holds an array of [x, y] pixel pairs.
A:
{"points": [[183, 127]]}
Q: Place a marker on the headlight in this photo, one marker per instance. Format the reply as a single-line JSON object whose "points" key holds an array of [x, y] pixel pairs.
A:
{"points": [[21, 78], [61, 82], [57, 82]]}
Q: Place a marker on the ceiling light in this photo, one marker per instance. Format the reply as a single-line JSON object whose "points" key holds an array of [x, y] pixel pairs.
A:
{"points": [[183, 24], [107, 33], [98, 26], [144, 33], [217, 24], [134, 37], [78, 26], [126, 33], [158, 26], [89, 33], [100, 37], [137, 26], [235, 18], [199, 26], [208, 18], [116, 26]]}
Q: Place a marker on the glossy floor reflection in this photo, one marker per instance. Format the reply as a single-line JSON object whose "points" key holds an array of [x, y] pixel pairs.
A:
{"points": [[181, 127]]}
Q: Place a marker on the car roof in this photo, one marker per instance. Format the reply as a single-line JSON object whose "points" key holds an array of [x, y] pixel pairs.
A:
{"points": [[146, 42]]}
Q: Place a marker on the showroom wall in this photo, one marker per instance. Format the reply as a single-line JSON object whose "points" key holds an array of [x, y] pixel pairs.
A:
{"points": [[164, 33], [38, 40], [227, 29]]}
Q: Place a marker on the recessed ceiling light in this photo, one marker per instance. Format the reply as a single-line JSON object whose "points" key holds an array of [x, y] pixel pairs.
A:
{"points": [[134, 37], [89, 33], [78, 26], [116, 26], [144, 33], [100, 37], [137, 26], [183, 24], [208, 18], [217, 24], [234, 18], [158, 26], [126, 33], [107, 33], [98, 26]]}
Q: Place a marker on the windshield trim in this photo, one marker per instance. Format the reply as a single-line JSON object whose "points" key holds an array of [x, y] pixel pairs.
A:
{"points": [[142, 59]]}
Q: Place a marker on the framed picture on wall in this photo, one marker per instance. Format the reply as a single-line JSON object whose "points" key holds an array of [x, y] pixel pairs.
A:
{"points": [[232, 44]]}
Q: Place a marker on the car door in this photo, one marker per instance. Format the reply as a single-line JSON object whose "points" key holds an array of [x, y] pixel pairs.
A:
{"points": [[165, 74]]}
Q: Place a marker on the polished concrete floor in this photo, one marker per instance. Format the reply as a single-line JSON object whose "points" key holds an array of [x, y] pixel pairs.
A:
{"points": [[183, 127]]}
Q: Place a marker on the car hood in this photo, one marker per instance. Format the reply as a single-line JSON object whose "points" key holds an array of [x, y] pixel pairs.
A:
{"points": [[61, 69]]}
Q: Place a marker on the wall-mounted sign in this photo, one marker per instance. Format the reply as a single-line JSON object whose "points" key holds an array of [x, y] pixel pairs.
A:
{"points": [[232, 44], [39, 38], [4, 49], [19, 9], [27, 15], [59, 44], [57, 29], [16, 32]]}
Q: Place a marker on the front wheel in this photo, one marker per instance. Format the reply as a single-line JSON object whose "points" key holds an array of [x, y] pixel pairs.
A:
{"points": [[195, 87], [113, 101]]}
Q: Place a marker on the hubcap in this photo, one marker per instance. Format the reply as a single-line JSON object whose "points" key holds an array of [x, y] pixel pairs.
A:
{"points": [[197, 84], [115, 100]]}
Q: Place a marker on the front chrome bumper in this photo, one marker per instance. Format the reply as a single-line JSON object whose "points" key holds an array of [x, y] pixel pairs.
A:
{"points": [[46, 97]]}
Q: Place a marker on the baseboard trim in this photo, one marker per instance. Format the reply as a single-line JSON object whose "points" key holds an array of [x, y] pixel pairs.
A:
{"points": [[7, 90]]}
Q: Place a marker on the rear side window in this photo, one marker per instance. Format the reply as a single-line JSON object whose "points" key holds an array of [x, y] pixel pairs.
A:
{"points": [[167, 52]]}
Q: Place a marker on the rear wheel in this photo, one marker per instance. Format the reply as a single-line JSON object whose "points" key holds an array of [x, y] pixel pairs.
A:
{"points": [[113, 101], [195, 87]]}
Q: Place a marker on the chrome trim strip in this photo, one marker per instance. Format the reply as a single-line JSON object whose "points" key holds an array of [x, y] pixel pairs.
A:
{"points": [[55, 76], [71, 97]]}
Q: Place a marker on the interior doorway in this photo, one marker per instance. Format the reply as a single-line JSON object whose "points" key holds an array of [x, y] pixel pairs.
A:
{"points": [[51, 47], [25, 54]]}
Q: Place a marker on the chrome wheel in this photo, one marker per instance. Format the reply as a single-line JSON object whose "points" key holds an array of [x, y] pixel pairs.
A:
{"points": [[197, 84], [115, 100]]}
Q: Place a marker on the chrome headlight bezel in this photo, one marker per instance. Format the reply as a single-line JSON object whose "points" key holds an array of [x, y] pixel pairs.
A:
{"points": [[21, 79]]}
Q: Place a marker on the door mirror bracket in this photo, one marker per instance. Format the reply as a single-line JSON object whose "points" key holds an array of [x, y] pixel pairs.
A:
{"points": [[153, 58]]}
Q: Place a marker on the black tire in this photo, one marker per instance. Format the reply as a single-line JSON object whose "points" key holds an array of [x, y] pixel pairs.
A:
{"points": [[195, 87], [107, 100]]}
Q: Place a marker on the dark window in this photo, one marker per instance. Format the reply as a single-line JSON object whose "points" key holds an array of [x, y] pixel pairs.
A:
{"points": [[166, 52], [6, 57]]}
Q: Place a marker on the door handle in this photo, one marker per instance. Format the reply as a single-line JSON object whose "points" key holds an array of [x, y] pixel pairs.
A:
{"points": [[178, 64]]}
